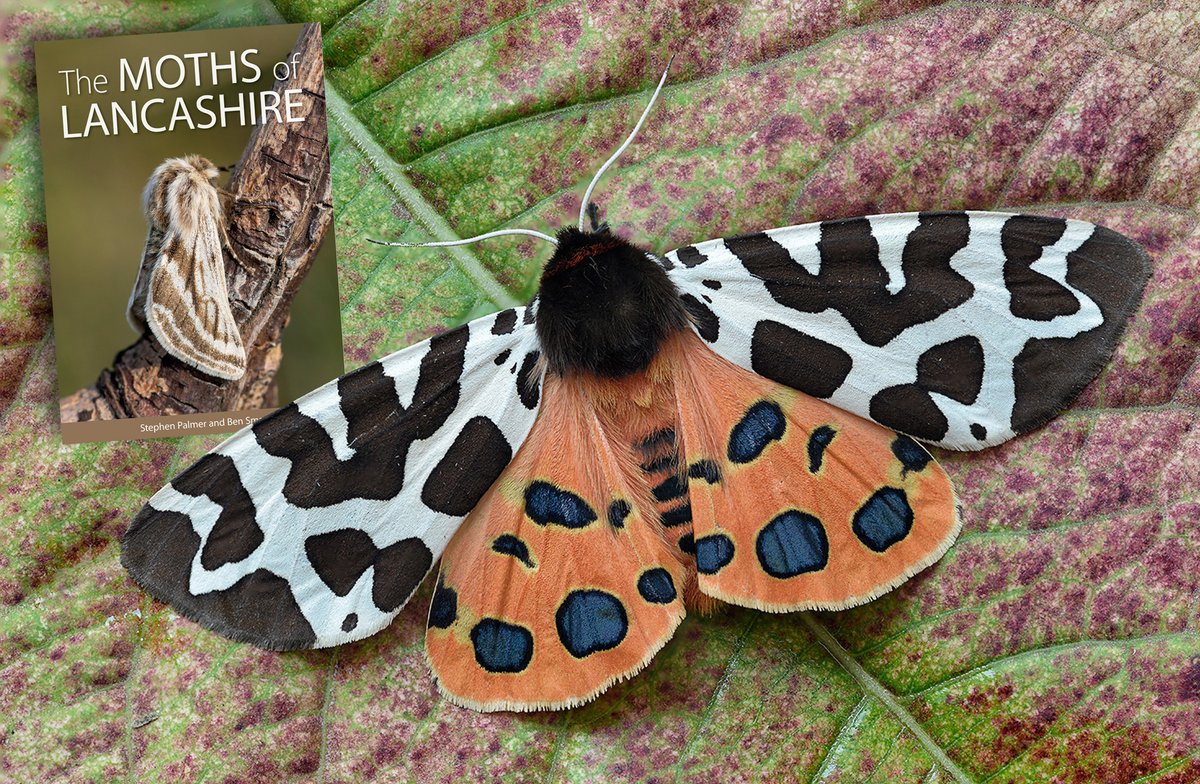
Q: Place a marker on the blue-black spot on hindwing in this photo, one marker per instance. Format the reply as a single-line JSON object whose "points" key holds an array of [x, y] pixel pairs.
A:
{"points": [[507, 544], [707, 323], [443, 610], [590, 621], [379, 427], [852, 280], [910, 454], [1032, 295], [713, 553], [656, 586], [885, 519], [798, 360], [687, 543], [705, 469], [548, 505], [689, 257], [464, 473], [762, 423], [528, 384], [258, 608], [618, 510], [506, 322], [236, 533], [502, 647], [818, 441], [793, 543], [909, 409]]}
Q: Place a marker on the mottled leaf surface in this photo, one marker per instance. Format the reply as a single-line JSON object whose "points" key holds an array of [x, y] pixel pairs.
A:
{"points": [[1059, 640]]}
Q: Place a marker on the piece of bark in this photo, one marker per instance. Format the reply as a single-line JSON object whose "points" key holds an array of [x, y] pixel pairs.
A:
{"points": [[279, 210]]}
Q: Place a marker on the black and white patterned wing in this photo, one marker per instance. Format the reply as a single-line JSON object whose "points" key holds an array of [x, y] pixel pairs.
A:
{"points": [[959, 328], [314, 526]]}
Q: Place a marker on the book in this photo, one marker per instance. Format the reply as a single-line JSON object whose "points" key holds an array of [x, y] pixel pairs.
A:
{"points": [[188, 218]]}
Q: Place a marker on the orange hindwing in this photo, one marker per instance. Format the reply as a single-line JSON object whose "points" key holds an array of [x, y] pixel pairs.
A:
{"points": [[690, 480], [560, 582]]}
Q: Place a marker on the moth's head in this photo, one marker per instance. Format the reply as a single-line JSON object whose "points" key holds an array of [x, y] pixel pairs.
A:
{"points": [[194, 170], [577, 248], [604, 305], [203, 166]]}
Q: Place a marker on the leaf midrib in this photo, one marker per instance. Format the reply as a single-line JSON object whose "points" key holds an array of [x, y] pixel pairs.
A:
{"points": [[874, 688]]}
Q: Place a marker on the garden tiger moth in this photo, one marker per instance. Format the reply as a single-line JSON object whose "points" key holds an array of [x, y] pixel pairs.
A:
{"points": [[734, 420]]}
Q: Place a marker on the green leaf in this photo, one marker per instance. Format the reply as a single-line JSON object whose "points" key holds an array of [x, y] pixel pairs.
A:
{"points": [[1057, 641]]}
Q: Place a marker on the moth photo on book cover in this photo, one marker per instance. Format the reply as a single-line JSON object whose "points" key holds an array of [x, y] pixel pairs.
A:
{"points": [[180, 294]]}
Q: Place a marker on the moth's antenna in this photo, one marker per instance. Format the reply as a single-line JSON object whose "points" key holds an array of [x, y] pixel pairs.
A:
{"points": [[587, 196], [469, 240]]}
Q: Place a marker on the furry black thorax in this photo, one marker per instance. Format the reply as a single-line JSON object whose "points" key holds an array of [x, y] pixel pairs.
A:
{"points": [[604, 306]]}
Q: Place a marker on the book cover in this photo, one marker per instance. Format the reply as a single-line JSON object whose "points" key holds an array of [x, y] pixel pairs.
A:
{"points": [[188, 214]]}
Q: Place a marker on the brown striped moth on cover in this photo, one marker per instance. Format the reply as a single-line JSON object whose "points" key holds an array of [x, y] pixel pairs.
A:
{"points": [[738, 420], [180, 291]]}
